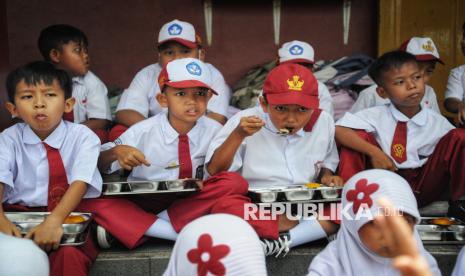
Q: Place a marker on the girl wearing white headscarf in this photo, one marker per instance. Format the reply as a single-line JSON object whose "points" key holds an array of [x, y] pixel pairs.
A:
{"points": [[359, 249], [217, 244], [22, 257]]}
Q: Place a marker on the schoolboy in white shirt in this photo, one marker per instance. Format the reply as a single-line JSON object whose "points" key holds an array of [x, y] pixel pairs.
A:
{"points": [[47, 164], [176, 39], [169, 146], [249, 143], [426, 53], [302, 53], [66, 47], [418, 143], [455, 91]]}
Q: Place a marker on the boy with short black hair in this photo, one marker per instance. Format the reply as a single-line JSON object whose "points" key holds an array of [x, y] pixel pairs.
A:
{"points": [[285, 141], [455, 91], [47, 164], [66, 47], [427, 55], [176, 39], [402, 136], [168, 146]]}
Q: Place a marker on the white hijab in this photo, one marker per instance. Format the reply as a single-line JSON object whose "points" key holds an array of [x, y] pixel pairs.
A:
{"points": [[347, 255], [217, 244]]}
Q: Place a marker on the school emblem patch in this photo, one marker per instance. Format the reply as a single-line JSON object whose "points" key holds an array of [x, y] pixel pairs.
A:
{"points": [[428, 46], [194, 69], [295, 84], [175, 29], [296, 50], [398, 150]]}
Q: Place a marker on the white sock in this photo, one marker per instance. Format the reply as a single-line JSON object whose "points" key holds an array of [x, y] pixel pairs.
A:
{"points": [[306, 231], [164, 215], [162, 229]]}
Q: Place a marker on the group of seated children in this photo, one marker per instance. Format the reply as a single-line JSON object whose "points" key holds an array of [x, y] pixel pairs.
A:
{"points": [[170, 127]]}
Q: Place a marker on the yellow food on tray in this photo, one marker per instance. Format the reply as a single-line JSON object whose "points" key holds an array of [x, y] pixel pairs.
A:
{"points": [[442, 221], [313, 185], [74, 219]]}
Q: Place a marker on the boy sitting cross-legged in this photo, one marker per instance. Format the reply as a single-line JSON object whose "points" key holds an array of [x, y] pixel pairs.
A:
{"points": [[47, 164], [287, 140], [168, 146], [402, 136]]}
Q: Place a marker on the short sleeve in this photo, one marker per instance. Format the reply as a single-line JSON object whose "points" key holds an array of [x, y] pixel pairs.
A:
{"points": [[219, 103], [455, 84], [85, 163], [98, 106], [7, 160], [326, 102], [356, 121], [137, 96]]}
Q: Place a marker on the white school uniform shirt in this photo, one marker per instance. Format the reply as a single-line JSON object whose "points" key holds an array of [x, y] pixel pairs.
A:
{"points": [[24, 165], [326, 102], [424, 130], [140, 95], [158, 141], [267, 159], [456, 84], [91, 96], [368, 97]]}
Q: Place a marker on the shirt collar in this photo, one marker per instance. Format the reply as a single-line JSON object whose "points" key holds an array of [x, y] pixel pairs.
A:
{"points": [[78, 79], [170, 135], [418, 119], [54, 140]]}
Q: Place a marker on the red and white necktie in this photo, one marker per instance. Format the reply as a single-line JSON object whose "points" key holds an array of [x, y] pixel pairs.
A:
{"points": [[69, 116], [399, 143], [184, 155], [57, 180]]}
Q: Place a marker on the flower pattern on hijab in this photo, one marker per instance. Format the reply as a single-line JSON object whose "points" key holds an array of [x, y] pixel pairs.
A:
{"points": [[362, 194], [207, 257]]}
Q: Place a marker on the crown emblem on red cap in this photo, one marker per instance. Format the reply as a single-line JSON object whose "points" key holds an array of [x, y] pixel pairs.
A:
{"points": [[428, 46], [295, 84]]}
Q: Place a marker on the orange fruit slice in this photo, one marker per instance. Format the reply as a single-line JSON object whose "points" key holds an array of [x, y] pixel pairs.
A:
{"points": [[313, 185], [74, 219]]}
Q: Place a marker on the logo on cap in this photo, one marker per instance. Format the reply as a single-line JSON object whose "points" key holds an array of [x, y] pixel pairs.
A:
{"points": [[175, 29], [194, 69], [295, 84], [296, 50], [428, 46]]}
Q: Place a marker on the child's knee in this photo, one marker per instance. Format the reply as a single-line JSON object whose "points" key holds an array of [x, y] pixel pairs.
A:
{"points": [[230, 183], [457, 134]]}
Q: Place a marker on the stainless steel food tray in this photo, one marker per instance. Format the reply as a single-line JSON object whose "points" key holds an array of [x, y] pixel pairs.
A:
{"points": [[296, 194], [431, 233], [150, 187], [73, 233]]}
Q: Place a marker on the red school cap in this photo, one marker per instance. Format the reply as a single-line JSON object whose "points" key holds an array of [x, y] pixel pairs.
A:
{"points": [[291, 83]]}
